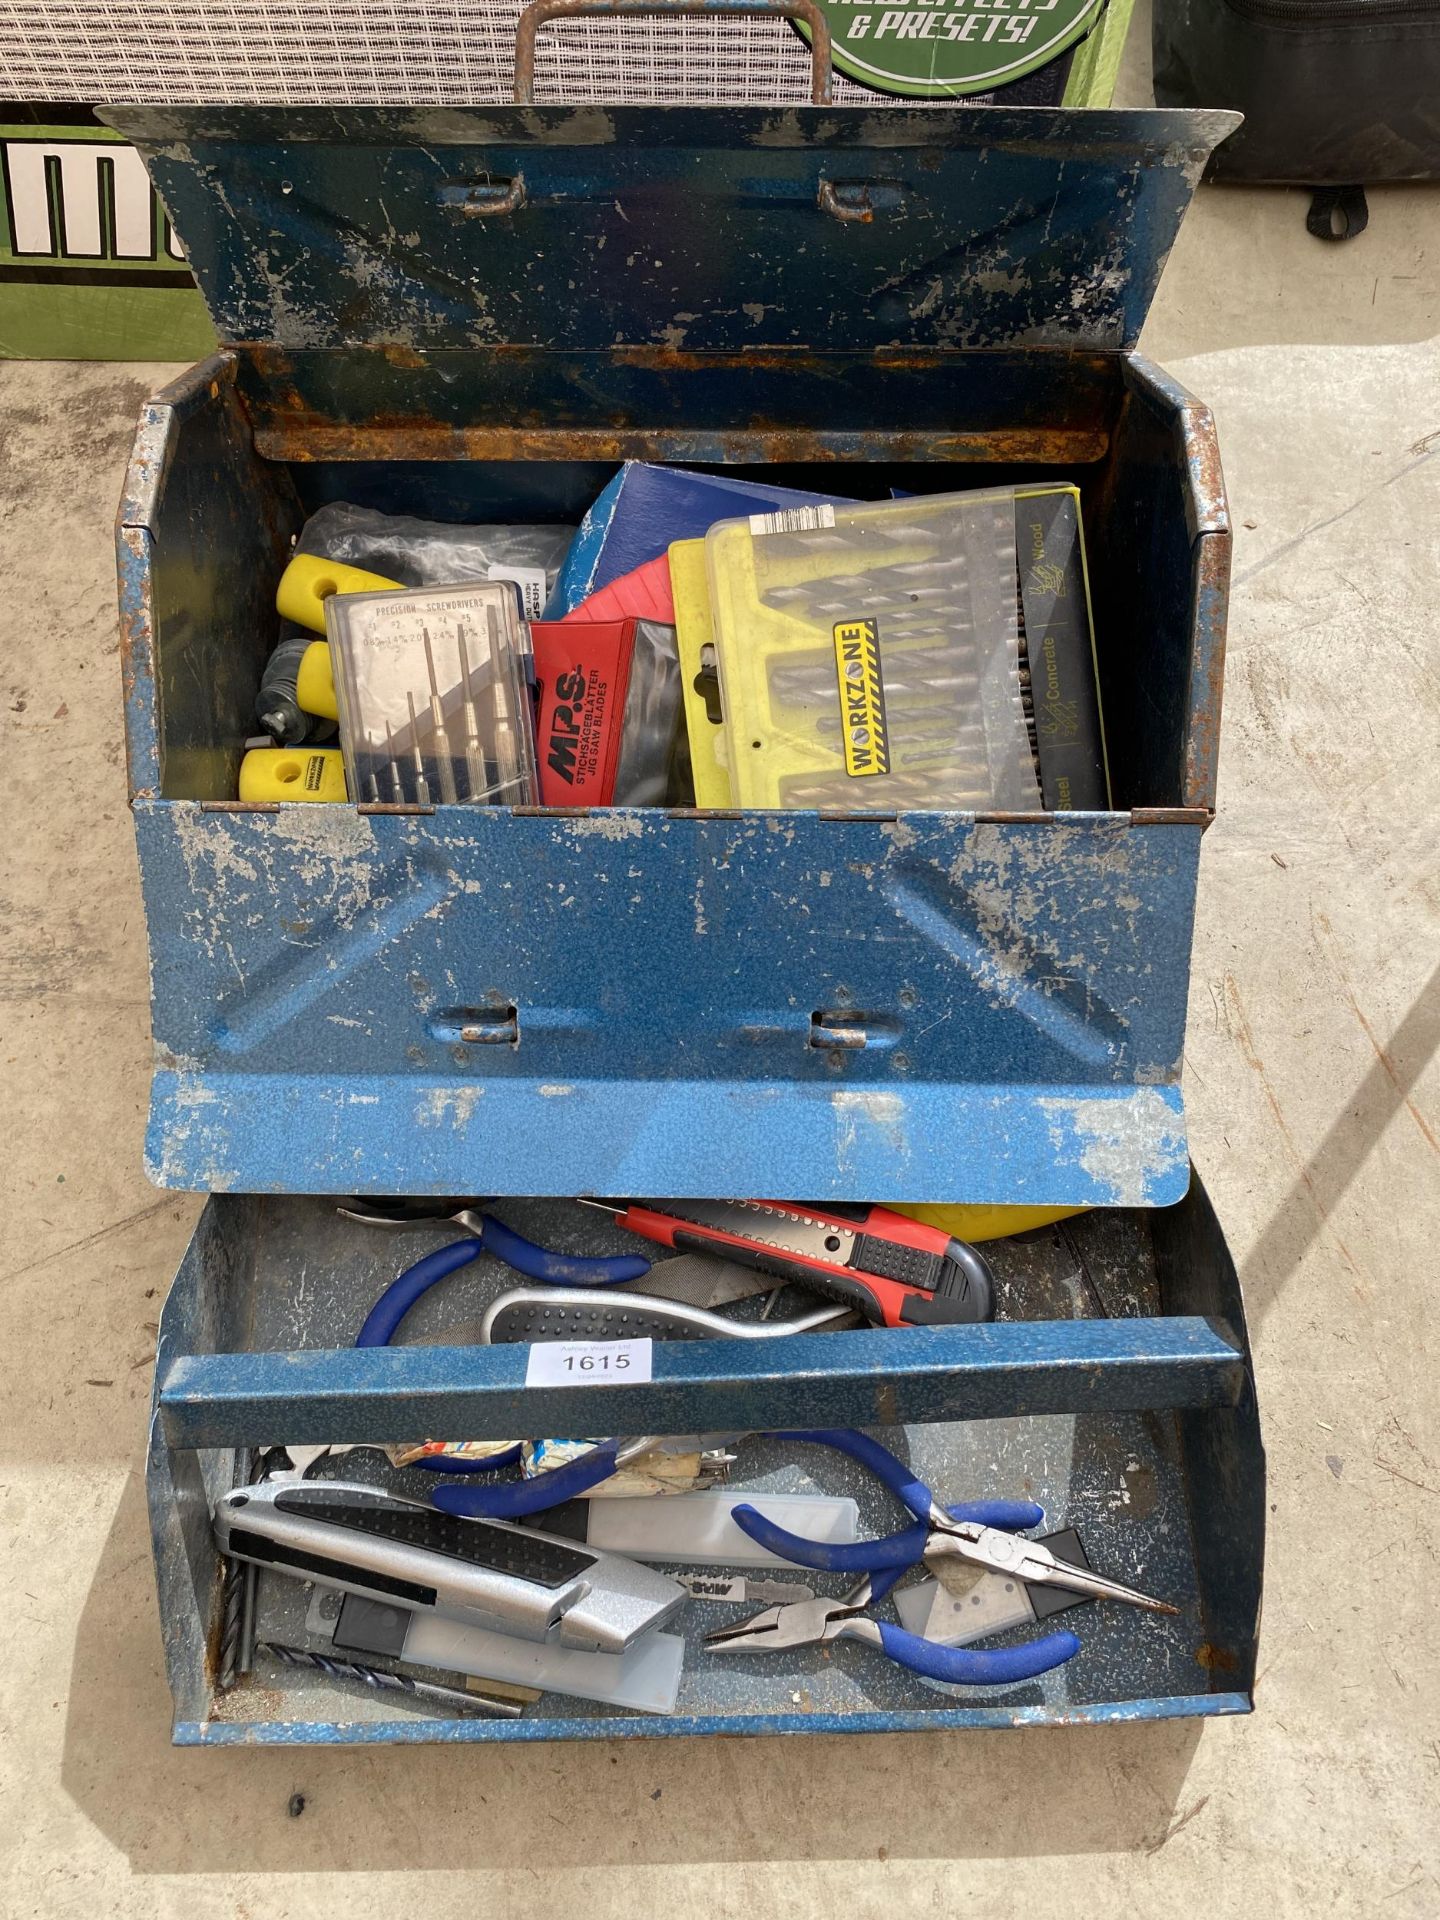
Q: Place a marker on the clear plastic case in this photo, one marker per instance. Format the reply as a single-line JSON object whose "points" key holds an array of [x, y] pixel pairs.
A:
{"points": [[871, 655], [434, 703]]}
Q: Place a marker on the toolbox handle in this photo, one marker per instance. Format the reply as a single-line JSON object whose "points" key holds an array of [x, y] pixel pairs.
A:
{"points": [[486, 197], [539, 11], [845, 200]]}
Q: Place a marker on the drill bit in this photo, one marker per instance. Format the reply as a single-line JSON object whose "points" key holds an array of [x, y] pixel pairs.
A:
{"points": [[372, 779], [384, 1681], [231, 1601]]}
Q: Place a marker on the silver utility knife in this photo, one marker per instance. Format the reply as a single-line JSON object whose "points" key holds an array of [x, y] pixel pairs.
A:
{"points": [[534, 1586]]}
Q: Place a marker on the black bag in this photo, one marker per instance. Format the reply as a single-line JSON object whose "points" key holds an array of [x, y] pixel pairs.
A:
{"points": [[1336, 93]]}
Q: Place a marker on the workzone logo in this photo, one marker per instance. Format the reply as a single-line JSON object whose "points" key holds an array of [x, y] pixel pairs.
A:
{"points": [[927, 47], [863, 730]]}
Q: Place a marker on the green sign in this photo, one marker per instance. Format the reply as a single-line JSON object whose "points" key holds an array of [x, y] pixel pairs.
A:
{"points": [[929, 47], [89, 267]]}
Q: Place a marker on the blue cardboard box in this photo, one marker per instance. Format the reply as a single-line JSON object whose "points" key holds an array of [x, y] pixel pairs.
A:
{"points": [[645, 508]]}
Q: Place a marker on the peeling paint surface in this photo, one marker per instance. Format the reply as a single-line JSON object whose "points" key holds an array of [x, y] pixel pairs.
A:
{"points": [[452, 1107], [1061, 1399], [397, 1001], [980, 245], [1128, 1148], [317, 973], [860, 1113]]}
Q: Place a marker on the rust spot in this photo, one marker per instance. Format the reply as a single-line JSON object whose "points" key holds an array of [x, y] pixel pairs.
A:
{"points": [[304, 437], [1171, 816], [1215, 1659], [290, 424], [1212, 599]]}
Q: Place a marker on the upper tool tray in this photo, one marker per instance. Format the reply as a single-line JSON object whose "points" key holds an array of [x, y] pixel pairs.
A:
{"points": [[471, 314]]}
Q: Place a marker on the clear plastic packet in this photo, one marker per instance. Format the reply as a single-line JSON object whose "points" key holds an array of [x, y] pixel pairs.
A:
{"points": [[870, 655], [652, 722], [433, 553], [433, 697]]}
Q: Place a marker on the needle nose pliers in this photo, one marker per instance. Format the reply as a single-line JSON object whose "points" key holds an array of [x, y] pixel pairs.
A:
{"points": [[974, 1532]]}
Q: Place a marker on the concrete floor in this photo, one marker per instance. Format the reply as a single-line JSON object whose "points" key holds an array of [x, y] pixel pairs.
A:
{"points": [[1314, 1098]]}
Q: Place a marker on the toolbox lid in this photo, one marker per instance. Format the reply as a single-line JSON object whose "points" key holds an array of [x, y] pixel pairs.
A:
{"points": [[593, 228]]}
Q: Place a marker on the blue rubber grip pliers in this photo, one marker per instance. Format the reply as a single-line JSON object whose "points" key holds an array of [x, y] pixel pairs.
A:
{"points": [[971, 1532], [486, 1234]]}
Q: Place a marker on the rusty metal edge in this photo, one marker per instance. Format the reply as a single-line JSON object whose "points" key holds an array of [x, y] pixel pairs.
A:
{"points": [[1136, 817], [1207, 510], [538, 12], [1172, 816], [137, 662], [155, 438], [305, 442], [1207, 514]]}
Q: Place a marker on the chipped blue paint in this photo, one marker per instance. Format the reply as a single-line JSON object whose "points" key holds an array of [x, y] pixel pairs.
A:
{"points": [[315, 972], [1160, 1393], [142, 737], [467, 1732], [313, 968], [841, 1379], [684, 228]]}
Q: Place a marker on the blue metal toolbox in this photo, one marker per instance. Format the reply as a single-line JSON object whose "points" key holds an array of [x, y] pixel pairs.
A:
{"points": [[1116, 1391], [474, 314]]}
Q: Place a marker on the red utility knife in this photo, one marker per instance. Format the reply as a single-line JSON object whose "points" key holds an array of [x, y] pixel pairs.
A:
{"points": [[897, 1272]]}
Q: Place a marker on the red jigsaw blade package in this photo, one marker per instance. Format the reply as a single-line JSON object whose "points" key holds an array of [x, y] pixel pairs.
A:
{"points": [[608, 711]]}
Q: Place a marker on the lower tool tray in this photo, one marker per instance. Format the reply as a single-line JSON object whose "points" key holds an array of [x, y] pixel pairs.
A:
{"points": [[1152, 1453]]}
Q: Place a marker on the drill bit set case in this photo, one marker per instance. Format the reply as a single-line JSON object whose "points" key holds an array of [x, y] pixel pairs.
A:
{"points": [[473, 315]]}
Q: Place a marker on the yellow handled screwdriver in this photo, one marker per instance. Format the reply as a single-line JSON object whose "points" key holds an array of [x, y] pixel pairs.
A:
{"points": [[293, 773], [306, 584]]}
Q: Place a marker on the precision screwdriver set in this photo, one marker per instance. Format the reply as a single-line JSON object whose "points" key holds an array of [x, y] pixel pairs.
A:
{"points": [[461, 734]]}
